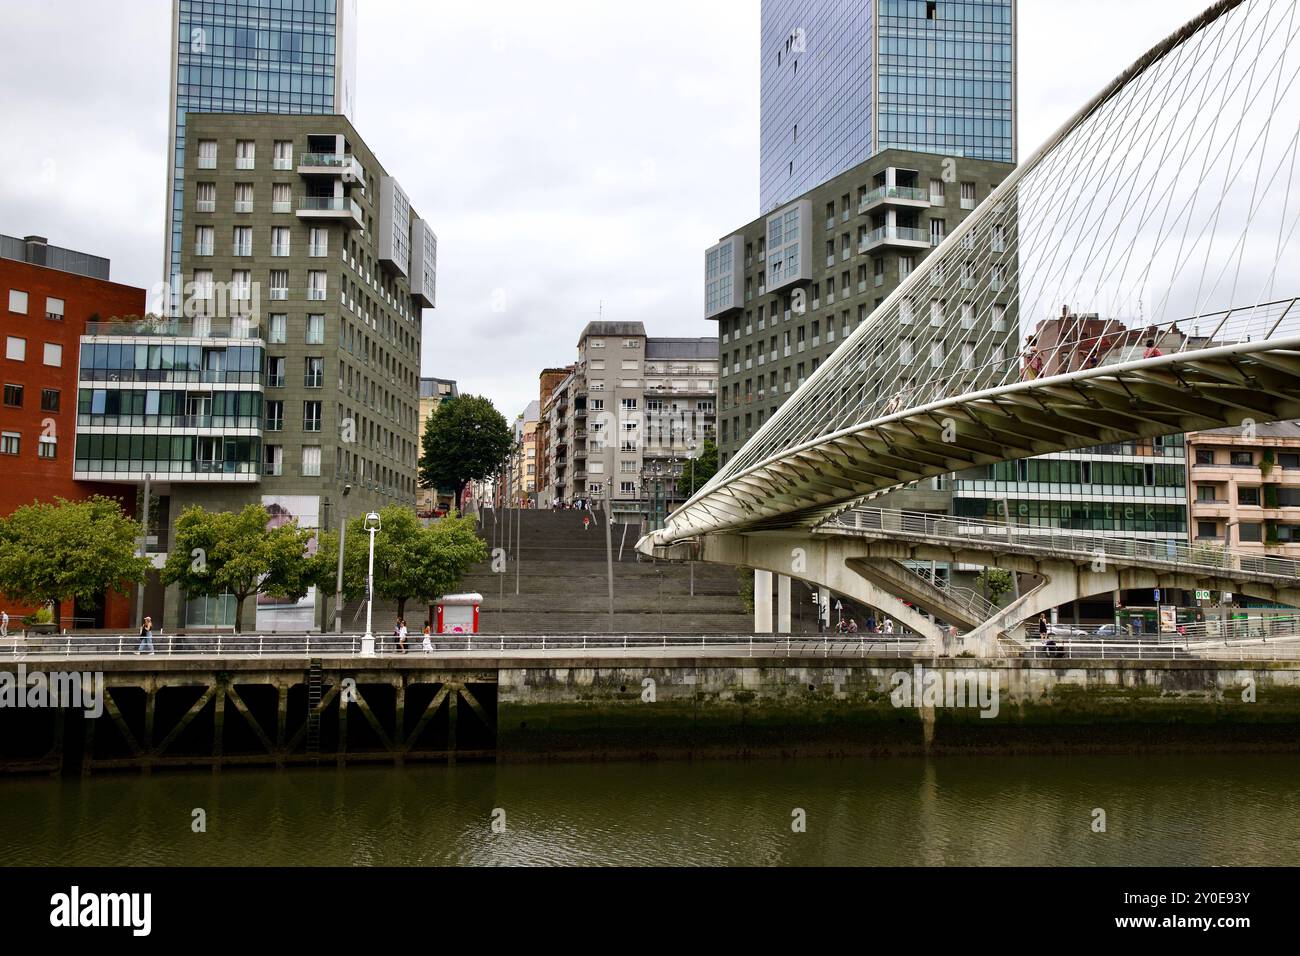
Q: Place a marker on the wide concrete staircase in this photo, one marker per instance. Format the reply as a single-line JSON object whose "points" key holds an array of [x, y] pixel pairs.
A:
{"points": [[563, 585]]}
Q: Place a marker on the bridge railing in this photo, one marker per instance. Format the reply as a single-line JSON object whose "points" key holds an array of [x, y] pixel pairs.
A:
{"points": [[1146, 651], [995, 535], [972, 601]]}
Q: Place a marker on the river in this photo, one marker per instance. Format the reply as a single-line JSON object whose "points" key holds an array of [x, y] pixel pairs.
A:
{"points": [[1159, 810]]}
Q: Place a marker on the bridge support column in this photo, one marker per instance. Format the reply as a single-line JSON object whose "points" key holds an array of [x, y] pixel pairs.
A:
{"points": [[783, 604], [762, 601]]}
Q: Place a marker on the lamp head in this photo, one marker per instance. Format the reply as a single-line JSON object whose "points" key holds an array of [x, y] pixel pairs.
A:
{"points": [[372, 521]]}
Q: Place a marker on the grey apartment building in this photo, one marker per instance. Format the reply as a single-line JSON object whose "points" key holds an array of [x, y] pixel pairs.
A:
{"points": [[788, 287], [626, 418], [842, 80], [293, 369]]}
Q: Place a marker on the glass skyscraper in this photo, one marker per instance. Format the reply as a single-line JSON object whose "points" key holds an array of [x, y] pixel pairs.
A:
{"points": [[842, 80], [253, 56]]}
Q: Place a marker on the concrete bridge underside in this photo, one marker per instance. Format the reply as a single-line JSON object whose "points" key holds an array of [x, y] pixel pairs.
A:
{"points": [[847, 565]]}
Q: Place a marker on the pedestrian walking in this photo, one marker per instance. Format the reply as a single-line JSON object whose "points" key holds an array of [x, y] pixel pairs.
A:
{"points": [[871, 623], [427, 641], [1042, 626], [146, 637], [586, 522], [889, 626], [853, 626], [4, 623], [401, 635], [1153, 351]]}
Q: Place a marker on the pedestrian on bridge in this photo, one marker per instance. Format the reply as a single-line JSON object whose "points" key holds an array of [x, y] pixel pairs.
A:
{"points": [[586, 522], [4, 623], [889, 627], [427, 641], [146, 636]]}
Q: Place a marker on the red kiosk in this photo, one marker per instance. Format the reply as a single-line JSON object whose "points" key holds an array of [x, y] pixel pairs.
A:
{"points": [[457, 614]]}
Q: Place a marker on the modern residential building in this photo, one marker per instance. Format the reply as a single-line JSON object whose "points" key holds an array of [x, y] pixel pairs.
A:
{"points": [[1244, 488], [525, 462], [292, 375], [788, 288], [433, 392], [547, 383], [842, 80], [628, 416], [50, 296], [251, 56]]}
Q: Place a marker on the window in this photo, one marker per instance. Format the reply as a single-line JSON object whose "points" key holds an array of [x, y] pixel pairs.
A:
{"points": [[999, 318], [49, 399], [319, 243], [937, 353], [938, 228], [204, 240], [243, 244], [316, 286], [241, 285], [207, 154], [905, 266], [936, 192], [967, 195], [1242, 458], [936, 313], [205, 197], [1248, 497], [311, 416], [243, 197], [596, 344], [53, 355], [1204, 456], [314, 377], [627, 487], [281, 198], [1250, 531], [315, 330], [311, 461], [1207, 529], [283, 154], [275, 371], [10, 442], [279, 283], [280, 240], [54, 308], [278, 330], [47, 446], [245, 152], [14, 396], [628, 404], [1206, 493], [629, 365], [999, 240], [18, 301], [274, 416], [274, 460]]}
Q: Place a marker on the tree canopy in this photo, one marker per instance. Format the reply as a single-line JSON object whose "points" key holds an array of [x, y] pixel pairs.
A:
{"points": [[465, 439], [235, 552], [51, 552], [697, 471], [412, 562]]}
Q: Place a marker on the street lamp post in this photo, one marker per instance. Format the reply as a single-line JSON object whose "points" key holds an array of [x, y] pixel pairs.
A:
{"points": [[368, 641]]}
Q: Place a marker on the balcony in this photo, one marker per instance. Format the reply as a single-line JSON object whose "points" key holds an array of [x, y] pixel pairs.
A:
{"points": [[907, 196], [199, 327], [334, 165], [342, 209], [901, 236]]}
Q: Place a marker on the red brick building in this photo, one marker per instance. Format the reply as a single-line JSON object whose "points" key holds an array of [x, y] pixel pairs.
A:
{"points": [[47, 296]]}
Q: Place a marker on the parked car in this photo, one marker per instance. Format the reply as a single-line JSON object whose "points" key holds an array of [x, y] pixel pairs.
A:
{"points": [[1066, 631], [1114, 632], [441, 511]]}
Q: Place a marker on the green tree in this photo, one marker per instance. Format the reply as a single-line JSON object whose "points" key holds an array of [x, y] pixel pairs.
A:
{"points": [[697, 471], [466, 439], [994, 582], [412, 562], [236, 553], [51, 552]]}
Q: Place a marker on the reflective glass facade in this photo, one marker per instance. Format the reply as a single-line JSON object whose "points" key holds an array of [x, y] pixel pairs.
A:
{"points": [[843, 79], [254, 56], [946, 83]]}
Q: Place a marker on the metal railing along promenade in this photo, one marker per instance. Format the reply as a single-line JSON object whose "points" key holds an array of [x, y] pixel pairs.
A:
{"points": [[1001, 536]]}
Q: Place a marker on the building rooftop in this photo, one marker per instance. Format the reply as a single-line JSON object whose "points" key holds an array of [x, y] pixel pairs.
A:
{"points": [[429, 387], [667, 348], [37, 251], [611, 328], [1267, 430]]}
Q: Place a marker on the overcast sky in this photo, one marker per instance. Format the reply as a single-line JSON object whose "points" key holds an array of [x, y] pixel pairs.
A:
{"points": [[568, 154]]}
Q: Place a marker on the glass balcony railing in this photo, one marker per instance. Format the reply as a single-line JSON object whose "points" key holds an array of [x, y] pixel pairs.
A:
{"points": [[237, 327]]}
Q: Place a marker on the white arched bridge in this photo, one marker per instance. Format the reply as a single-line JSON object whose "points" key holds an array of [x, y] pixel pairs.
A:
{"points": [[1135, 278]]}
